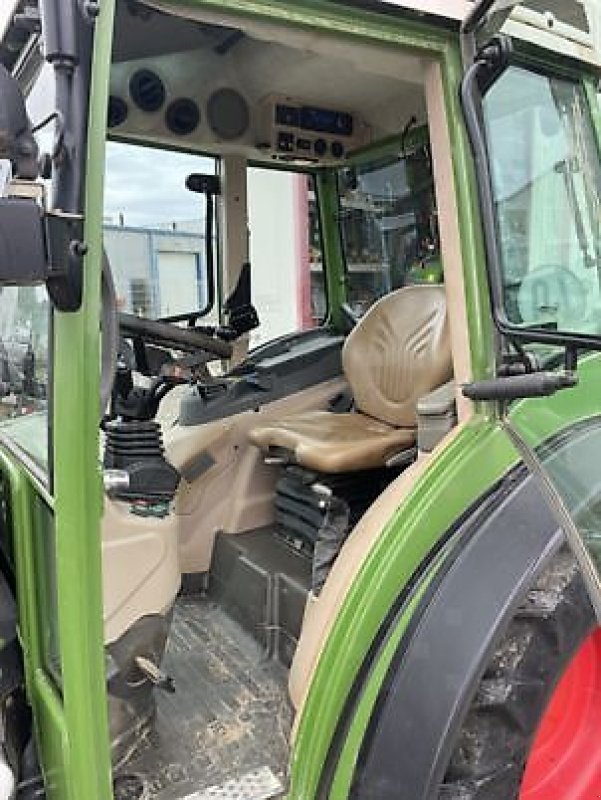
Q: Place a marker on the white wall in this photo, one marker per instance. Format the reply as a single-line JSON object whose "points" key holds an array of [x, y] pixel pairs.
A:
{"points": [[273, 220]]}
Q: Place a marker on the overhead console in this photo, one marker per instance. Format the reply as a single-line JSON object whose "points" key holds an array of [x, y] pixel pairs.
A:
{"points": [[278, 127], [224, 92], [292, 129]]}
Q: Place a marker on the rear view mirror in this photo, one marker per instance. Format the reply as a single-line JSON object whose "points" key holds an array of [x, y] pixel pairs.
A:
{"points": [[22, 240], [22, 243]]}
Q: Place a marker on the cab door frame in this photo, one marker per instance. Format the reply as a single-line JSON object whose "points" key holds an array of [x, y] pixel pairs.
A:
{"points": [[56, 516], [485, 63]]}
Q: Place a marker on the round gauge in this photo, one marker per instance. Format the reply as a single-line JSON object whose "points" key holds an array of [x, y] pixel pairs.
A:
{"points": [[147, 90], [117, 111], [228, 114], [182, 116]]}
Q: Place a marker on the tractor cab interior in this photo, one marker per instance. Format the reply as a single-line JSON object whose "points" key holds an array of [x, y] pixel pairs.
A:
{"points": [[283, 256]]}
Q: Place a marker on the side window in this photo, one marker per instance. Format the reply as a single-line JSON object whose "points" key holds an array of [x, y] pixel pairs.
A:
{"points": [[154, 231], [25, 352], [546, 185], [388, 226], [285, 253]]}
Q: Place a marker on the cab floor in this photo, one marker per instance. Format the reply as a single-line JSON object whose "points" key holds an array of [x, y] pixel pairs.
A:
{"points": [[229, 716]]}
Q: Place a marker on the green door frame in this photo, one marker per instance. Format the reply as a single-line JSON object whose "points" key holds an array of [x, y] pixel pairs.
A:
{"points": [[82, 767]]}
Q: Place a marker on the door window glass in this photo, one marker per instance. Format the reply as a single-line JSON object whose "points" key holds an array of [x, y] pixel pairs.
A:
{"points": [[154, 231], [546, 181]]}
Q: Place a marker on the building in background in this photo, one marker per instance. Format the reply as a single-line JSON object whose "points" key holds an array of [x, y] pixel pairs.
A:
{"points": [[158, 272]]}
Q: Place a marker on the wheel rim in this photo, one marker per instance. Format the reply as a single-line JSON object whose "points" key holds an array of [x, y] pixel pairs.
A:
{"points": [[565, 760]]}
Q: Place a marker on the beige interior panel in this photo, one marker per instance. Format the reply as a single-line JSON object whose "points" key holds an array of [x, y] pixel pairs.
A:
{"points": [[450, 240], [236, 492], [140, 567], [320, 612]]}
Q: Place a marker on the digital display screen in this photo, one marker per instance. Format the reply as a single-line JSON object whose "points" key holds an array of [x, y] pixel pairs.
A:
{"points": [[287, 115], [318, 120], [322, 120]]}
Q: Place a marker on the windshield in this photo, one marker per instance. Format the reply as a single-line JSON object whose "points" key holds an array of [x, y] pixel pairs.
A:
{"points": [[546, 182], [154, 231], [388, 226]]}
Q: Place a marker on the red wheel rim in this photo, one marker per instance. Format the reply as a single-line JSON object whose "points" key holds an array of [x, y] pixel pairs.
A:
{"points": [[565, 760]]}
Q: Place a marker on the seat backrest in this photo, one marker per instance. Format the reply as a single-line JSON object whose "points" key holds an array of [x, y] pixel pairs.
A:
{"points": [[399, 351]]}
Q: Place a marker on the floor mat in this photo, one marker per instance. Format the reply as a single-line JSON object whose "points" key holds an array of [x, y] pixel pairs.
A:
{"points": [[230, 714]]}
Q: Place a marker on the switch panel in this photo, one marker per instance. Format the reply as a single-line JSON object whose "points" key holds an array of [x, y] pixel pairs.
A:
{"points": [[293, 130]]}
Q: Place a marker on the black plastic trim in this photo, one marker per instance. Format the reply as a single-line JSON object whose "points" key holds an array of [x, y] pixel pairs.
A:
{"points": [[275, 370], [436, 671]]}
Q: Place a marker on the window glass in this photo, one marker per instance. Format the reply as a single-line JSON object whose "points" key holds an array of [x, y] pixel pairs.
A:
{"points": [[546, 182], [154, 230], [24, 328], [388, 226], [285, 253]]}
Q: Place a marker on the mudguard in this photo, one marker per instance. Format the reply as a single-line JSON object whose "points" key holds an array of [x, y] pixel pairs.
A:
{"points": [[437, 668]]}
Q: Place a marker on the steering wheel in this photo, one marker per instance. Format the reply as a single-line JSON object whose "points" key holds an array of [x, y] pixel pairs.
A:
{"points": [[550, 294], [169, 335]]}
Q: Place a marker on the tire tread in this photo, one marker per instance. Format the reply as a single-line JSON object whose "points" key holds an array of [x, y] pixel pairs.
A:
{"points": [[545, 632]]}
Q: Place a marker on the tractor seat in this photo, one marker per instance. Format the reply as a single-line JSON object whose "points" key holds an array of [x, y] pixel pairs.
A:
{"points": [[399, 352]]}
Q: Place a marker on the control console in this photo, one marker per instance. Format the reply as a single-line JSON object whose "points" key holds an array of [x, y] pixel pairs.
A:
{"points": [[293, 130]]}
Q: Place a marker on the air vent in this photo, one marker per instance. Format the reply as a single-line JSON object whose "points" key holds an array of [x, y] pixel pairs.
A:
{"points": [[228, 114], [182, 116], [147, 90], [117, 111]]}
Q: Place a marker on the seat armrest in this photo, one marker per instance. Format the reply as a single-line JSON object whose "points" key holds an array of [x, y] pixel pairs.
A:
{"points": [[436, 416]]}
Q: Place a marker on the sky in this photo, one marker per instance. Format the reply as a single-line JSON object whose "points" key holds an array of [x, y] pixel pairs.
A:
{"points": [[147, 185]]}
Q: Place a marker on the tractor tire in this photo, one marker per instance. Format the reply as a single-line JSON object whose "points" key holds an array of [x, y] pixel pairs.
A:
{"points": [[502, 752]]}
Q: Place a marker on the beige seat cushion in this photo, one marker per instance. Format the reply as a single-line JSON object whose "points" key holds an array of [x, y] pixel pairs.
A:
{"points": [[399, 352], [329, 442]]}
